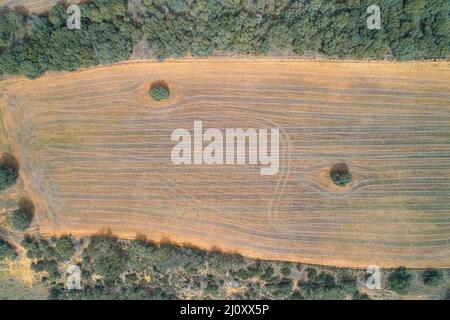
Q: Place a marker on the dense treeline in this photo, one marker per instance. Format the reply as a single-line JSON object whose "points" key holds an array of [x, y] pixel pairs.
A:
{"points": [[117, 269], [411, 29]]}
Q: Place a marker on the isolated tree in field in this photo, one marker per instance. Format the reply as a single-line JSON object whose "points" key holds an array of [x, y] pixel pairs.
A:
{"points": [[432, 277], [400, 280], [21, 219], [340, 175], [8, 176], [159, 92], [6, 251]]}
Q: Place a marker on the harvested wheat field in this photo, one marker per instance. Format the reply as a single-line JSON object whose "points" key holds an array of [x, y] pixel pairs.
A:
{"points": [[95, 151], [33, 6]]}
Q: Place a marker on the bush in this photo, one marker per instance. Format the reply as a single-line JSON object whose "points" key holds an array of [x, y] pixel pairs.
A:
{"points": [[267, 275], [311, 273], [10, 23], [400, 280], [159, 92], [106, 258], [326, 281], [8, 176], [286, 271], [38, 249], [6, 251], [65, 248], [341, 178], [21, 219], [432, 277], [347, 282]]}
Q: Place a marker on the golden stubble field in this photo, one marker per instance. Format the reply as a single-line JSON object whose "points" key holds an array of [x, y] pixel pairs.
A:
{"points": [[34, 6], [95, 154]]}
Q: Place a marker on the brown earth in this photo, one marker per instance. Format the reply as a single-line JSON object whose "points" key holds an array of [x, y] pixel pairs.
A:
{"points": [[95, 155]]}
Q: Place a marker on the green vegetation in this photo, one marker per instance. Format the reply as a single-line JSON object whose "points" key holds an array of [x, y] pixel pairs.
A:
{"points": [[47, 254], [10, 26], [65, 248], [106, 258], [159, 92], [341, 178], [400, 280], [432, 277], [6, 250], [20, 219], [411, 29], [119, 269], [8, 176]]}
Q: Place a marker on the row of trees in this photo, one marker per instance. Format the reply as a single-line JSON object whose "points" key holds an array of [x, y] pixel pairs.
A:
{"points": [[410, 29]]}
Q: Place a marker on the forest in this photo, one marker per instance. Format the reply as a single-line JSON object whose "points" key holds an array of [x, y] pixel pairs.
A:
{"points": [[110, 29]]}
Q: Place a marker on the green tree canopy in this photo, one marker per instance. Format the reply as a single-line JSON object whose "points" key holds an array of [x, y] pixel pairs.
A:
{"points": [[21, 219], [341, 178], [6, 250], [159, 92], [8, 176], [400, 280], [432, 277], [410, 29], [107, 257]]}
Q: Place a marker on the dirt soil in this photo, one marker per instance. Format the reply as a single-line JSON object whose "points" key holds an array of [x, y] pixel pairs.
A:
{"points": [[33, 6]]}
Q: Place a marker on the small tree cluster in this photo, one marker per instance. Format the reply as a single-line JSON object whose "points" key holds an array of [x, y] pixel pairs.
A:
{"points": [[432, 277], [6, 250], [341, 178], [21, 219], [8, 176], [400, 280], [159, 92]]}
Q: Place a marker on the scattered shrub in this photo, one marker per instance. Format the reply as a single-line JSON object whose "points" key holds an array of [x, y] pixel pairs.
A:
{"points": [[341, 178], [347, 282], [106, 257], [267, 275], [65, 248], [326, 281], [311, 273], [432, 277], [340, 174], [6, 251], [286, 271], [8, 176], [400, 280], [21, 219], [159, 92]]}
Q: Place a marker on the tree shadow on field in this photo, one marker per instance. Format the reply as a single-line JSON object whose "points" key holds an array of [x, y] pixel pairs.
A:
{"points": [[159, 83], [340, 168], [104, 233], [26, 205], [141, 237], [9, 160]]}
